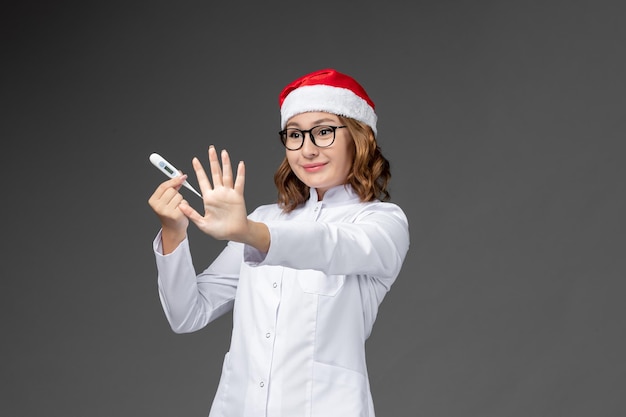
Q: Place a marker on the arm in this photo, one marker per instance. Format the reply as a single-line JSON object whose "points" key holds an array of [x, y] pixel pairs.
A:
{"points": [[374, 243], [190, 302]]}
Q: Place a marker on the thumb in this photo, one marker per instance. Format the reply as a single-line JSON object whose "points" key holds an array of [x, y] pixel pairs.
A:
{"points": [[189, 211]]}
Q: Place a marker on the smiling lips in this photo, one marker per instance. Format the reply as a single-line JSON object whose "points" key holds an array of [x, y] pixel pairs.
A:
{"points": [[313, 167]]}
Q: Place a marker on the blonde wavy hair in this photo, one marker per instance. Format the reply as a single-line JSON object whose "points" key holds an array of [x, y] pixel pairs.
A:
{"points": [[369, 176]]}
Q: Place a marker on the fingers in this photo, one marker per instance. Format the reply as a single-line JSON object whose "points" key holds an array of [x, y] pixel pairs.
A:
{"points": [[171, 184], [221, 175], [174, 200], [203, 180], [216, 170], [227, 175], [240, 181], [190, 212], [165, 202]]}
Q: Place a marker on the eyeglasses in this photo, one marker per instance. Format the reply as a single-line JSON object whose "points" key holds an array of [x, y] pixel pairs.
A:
{"points": [[321, 136]]}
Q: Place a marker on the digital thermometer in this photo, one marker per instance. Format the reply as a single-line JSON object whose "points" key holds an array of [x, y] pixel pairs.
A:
{"points": [[169, 170]]}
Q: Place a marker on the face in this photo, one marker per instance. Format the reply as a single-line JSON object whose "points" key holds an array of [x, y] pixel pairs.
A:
{"points": [[321, 168]]}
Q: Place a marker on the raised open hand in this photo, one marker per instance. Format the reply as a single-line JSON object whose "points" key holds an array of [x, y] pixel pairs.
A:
{"points": [[225, 215]]}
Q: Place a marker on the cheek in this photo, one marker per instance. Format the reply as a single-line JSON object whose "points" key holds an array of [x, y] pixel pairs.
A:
{"points": [[349, 158], [348, 167], [291, 159]]}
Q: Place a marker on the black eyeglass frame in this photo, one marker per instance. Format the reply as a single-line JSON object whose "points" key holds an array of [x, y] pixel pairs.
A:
{"points": [[283, 136]]}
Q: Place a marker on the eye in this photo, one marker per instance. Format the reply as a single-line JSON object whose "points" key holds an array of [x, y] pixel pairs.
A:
{"points": [[324, 131], [293, 134]]}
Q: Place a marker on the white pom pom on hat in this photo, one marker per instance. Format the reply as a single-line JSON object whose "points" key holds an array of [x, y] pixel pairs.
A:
{"points": [[330, 91]]}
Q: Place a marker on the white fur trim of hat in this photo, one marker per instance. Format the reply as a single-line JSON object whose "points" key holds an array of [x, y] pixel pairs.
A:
{"points": [[327, 91]]}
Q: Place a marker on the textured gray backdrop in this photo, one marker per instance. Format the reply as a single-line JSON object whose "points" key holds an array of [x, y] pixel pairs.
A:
{"points": [[504, 122]]}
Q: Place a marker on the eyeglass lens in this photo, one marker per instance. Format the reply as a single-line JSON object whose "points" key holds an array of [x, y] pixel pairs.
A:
{"points": [[321, 136]]}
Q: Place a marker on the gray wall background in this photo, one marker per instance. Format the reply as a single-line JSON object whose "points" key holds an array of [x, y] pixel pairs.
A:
{"points": [[504, 123]]}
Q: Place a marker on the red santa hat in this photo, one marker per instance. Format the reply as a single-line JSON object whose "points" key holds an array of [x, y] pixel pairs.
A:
{"points": [[328, 91]]}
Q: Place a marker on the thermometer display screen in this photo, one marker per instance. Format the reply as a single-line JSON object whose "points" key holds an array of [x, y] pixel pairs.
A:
{"points": [[168, 169]]}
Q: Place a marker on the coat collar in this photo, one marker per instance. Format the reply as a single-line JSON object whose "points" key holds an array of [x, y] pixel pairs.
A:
{"points": [[341, 194]]}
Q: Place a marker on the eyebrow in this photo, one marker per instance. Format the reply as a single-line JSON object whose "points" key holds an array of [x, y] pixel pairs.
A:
{"points": [[315, 123]]}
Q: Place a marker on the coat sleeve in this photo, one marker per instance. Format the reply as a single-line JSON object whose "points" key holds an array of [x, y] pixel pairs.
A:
{"points": [[190, 302], [375, 243]]}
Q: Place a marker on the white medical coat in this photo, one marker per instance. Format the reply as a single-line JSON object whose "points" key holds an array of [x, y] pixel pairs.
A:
{"points": [[302, 312]]}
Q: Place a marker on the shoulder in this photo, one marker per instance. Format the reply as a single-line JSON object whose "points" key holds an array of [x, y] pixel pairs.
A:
{"points": [[266, 212], [381, 208]]}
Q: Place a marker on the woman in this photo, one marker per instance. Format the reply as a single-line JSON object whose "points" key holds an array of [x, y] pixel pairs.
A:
{"points": [[306, 275]]}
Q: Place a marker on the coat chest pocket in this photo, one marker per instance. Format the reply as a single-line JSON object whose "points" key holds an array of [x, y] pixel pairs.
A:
{"points": [[316, 282]]}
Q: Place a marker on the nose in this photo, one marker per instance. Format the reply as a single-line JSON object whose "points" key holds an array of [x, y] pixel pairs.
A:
{"points": [[308, 147]]}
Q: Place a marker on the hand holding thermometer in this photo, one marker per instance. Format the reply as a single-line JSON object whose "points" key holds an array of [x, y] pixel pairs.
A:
{"points": [[169, 170]]}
